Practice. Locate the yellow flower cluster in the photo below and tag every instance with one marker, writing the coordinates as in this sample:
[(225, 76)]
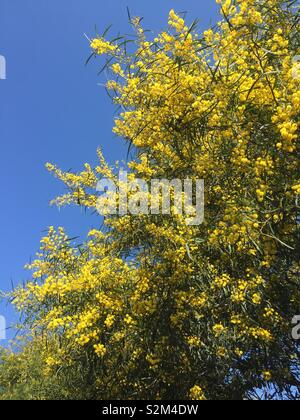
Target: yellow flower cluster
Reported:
[(197, 394), (222, 281), (218, 329), (102, 47), (261, 334), (194, 341), (296, 188), (176, 22), (267, 376), (100, 350)]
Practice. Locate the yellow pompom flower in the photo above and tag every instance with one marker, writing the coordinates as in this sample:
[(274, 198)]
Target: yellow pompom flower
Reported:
[(197, 394), (100, 350), (102, 46), (267, 376), (218, 329)]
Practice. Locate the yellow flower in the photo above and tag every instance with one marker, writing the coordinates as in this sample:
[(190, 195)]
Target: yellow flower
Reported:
[(50, 361), (296, 188), (109, 322), (222, 352), (102, 47), (218, 329), (236, 320), (153, 360), (176, 22), (100, 350), (256, 299), (222, 281), (83, 340), (116, 68), (197, 394), (239, 352), (267, 376), (261, 334), (193, 341), (129, 320)]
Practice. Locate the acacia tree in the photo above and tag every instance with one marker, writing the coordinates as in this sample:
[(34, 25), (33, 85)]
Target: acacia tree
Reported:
[(150, 307)]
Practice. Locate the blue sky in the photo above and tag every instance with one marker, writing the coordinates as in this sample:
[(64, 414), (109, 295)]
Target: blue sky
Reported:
[(52, 109)]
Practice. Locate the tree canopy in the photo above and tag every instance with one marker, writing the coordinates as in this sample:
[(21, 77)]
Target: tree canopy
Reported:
[(150, 307)]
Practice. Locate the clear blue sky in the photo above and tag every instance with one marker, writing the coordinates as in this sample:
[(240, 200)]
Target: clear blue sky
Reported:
[(51, 109)]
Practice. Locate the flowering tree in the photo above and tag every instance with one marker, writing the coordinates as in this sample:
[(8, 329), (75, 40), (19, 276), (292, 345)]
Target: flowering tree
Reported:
[(150, 307)]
